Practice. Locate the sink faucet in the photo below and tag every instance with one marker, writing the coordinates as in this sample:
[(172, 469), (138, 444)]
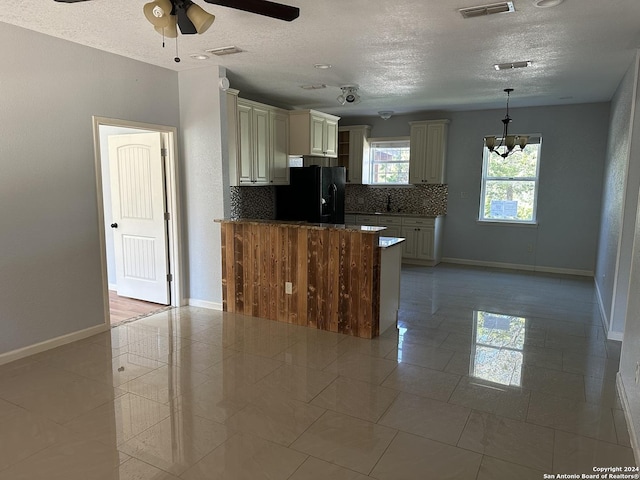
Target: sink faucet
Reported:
[(388, 203)]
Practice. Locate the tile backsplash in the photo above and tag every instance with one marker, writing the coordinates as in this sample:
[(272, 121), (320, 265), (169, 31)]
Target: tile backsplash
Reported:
[(415, 199), (259, 202), (253, 202)]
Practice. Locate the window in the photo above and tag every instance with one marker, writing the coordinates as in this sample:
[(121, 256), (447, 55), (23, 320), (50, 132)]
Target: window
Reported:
[(388, 162), (510, 185)]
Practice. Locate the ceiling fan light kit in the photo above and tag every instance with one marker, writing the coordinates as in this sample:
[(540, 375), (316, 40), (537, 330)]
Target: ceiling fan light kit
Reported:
[(158, 13), (201, 20)]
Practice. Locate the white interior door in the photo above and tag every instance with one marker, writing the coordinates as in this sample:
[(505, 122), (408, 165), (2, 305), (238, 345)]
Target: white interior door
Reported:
[(138, 207)]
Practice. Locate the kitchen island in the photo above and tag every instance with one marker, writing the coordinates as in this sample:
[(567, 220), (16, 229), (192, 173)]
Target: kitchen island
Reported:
[(322, 276)]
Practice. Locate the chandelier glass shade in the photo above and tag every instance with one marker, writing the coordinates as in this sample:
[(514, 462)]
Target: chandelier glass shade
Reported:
[(505, 145)]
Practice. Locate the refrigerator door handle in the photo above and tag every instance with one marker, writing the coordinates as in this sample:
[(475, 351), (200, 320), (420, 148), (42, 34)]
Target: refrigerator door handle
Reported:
[(334, 197)]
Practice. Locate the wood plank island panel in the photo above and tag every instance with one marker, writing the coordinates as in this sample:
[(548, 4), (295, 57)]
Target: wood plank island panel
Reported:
[(334, 273)]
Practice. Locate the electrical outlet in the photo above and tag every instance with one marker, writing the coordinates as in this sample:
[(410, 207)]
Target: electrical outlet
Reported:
[(288, 288), (530, 248)]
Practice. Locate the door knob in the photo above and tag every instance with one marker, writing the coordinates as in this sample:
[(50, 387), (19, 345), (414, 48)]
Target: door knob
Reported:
[(114, 225)]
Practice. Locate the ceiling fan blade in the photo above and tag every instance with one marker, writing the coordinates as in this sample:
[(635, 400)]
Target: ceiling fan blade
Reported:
[(70, 1), (261, 7)]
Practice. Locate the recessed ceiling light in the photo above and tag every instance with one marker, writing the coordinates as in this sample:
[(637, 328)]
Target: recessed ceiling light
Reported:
[(318, 86), (547, 3), (224, 50), (322, 66), (199, 56), (512, 65)]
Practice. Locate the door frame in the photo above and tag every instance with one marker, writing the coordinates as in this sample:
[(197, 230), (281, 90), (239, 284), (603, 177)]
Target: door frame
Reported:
[(172, 193)]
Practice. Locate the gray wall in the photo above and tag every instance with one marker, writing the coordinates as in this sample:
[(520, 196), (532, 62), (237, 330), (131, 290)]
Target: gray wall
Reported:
[(572, 162), (50, 273), (205, 181), (619, 202)]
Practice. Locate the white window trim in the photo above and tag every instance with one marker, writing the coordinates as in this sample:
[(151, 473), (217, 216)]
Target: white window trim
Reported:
[(367, 161), (534, 138)]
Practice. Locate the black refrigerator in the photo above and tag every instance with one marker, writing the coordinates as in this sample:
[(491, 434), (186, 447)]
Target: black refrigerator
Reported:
[(315, 194)]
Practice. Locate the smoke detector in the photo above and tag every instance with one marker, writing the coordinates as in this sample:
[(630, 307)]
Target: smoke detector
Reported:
[(547, 3)]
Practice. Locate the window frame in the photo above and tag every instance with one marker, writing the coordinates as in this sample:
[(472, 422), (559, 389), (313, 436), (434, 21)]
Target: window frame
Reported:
[(367, 177), (533, 139)]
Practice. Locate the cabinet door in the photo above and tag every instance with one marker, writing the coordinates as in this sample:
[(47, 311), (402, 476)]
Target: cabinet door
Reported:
[(260, 146), (409, 246), (435, 153), (317, 136), (356, 153), (330, 138), (424, 244), (279, 124), (245, 145), (418, 154)]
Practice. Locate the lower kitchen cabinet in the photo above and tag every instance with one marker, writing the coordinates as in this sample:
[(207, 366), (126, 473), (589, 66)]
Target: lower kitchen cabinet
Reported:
[(423, 244)]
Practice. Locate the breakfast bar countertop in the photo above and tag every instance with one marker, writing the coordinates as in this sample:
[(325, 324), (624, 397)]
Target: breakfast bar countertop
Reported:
[(306, 225), (386, 242)]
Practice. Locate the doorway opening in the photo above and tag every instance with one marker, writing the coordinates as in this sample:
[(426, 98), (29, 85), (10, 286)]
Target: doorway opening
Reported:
[(138, 203)]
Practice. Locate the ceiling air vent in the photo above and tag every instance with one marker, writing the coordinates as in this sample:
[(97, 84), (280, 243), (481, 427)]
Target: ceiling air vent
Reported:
[(512, 65), (224, 51), (484, 10)]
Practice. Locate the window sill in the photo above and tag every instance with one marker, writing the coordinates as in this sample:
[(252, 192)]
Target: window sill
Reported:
[(506, 223), (385, 185)]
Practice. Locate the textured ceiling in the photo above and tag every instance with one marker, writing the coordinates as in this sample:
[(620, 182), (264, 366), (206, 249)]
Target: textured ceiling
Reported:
[(406, 55)]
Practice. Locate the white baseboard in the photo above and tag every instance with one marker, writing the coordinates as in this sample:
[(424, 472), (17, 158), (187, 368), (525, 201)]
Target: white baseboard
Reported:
[(611, 335), (619, 336), (113, 287), (194, 302), (53, 343), (517, 266), (633, 435)]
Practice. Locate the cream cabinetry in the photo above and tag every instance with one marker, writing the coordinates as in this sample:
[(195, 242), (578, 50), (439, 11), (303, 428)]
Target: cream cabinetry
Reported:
[(423, 236), (279, 148), (428, 142), (421, 243), (258, 143), (353, 149), (313, 133)]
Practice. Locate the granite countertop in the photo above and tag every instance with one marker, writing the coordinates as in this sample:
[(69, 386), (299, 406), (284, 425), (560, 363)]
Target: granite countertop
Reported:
[(357, 228), (385, 242), (394, 214)]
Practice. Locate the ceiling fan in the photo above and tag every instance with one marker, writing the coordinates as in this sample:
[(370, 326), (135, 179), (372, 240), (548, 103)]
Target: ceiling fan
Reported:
[(165, 15)]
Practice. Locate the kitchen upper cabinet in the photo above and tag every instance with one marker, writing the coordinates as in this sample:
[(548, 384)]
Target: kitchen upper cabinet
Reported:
[(428, 142), (353, 149), (258, 143), (313, 133), (279, 123)]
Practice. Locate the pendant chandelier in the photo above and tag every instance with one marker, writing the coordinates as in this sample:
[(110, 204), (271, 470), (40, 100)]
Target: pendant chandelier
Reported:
[(507, 142)]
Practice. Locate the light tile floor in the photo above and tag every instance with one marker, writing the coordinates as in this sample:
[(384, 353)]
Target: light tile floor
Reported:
[(491, 375)]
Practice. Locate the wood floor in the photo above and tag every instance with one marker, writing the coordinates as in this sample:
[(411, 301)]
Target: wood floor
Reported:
[(123, 308)]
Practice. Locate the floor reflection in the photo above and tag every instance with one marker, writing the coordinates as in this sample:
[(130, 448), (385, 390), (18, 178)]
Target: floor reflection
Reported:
[(497, 348)]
